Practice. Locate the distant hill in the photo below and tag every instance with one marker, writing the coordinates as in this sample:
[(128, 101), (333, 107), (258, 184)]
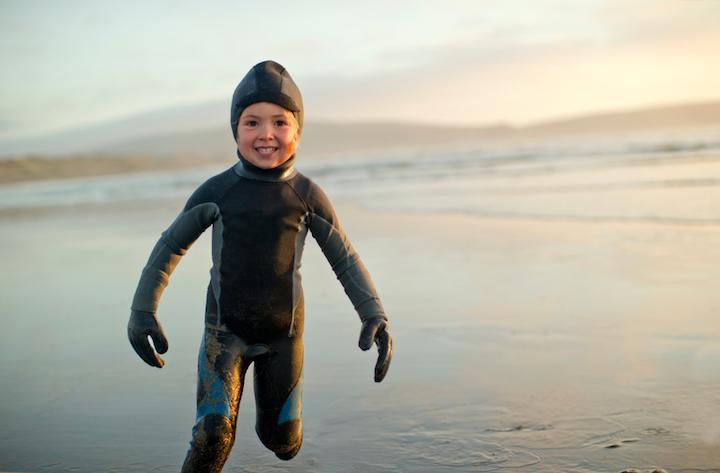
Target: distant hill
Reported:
[(672, 117), (203, 130), (322, 139), (101, 136)]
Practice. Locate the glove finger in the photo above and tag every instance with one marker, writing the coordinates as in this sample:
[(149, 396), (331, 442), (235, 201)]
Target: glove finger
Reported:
[(142, 347), (368, 333), (159, 340), (384, 343)]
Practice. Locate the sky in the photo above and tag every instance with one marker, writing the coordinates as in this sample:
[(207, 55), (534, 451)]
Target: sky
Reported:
[(70, 63)]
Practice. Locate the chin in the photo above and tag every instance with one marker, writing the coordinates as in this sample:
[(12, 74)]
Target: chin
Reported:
[(263, 165)]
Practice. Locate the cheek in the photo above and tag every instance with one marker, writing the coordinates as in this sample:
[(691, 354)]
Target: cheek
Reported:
[(295, 144), (296, 135), (244, 141), (291, 139)]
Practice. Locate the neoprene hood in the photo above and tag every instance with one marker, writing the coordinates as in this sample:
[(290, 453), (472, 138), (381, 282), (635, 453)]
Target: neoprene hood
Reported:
[(267, 81)]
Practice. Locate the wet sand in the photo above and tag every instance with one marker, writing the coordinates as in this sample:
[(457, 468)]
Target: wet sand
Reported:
[(522, 344)]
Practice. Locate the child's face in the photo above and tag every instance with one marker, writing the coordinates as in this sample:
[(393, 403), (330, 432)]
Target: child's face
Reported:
[(267, 134)]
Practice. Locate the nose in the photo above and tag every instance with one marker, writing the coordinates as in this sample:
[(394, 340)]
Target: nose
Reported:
[(266, 131)]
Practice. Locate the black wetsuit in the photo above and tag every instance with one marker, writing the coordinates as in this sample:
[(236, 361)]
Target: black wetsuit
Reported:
[(254, 309)]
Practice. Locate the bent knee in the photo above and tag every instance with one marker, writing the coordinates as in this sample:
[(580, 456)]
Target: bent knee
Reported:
[(284, 440), (213, 431), (290, 453)]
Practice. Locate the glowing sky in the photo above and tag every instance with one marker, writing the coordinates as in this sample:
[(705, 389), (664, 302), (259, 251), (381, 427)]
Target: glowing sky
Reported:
[(67, 63)]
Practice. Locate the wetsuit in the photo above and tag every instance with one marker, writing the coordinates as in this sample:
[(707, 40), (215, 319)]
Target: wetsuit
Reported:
[(254, 311)]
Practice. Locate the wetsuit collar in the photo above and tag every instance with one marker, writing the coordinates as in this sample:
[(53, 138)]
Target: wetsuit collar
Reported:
[(246, 169)]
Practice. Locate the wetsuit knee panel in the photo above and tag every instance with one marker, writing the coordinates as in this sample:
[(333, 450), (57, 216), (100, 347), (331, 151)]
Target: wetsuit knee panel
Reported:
[(213, 437), (213, 432), (284, 439), (291, 452)]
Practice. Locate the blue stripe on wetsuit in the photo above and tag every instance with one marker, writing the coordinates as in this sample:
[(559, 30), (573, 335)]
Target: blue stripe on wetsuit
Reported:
[(216, 400), (292, 408)]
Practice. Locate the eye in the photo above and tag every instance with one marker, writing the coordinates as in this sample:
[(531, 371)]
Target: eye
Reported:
[(281, 123), (251, 123)]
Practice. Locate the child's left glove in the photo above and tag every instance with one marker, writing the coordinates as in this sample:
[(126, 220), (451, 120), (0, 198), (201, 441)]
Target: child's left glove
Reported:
[(377, 330), (140, 326)]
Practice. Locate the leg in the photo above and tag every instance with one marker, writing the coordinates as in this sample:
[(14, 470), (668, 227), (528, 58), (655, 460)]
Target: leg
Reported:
[(221, 370), (278, 397)]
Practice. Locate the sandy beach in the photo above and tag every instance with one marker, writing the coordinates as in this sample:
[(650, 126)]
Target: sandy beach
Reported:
[(543, 322)]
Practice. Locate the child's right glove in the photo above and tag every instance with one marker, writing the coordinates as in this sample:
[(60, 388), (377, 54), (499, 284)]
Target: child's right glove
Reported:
[(377, 330), (141, 325)]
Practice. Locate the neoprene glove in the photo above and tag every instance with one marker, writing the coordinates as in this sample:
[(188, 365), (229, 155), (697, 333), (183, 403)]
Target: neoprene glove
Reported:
[(377, 330), (141, 326)]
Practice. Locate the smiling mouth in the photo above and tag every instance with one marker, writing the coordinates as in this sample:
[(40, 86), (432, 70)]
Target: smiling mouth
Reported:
[(265, 150)]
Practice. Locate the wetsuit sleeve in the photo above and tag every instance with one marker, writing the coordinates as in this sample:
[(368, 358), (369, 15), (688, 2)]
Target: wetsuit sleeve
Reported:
[(343, 258), (172, 245)]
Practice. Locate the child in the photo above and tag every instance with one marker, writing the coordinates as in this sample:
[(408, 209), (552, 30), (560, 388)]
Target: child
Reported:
[(260, 211)]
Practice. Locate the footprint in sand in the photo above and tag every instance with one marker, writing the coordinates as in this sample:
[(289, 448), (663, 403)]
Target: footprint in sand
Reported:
[(621, 443)]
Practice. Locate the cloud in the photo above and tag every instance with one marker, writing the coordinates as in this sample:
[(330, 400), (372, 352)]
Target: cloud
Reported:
[(462, 62), (652, 21), (502, 72)]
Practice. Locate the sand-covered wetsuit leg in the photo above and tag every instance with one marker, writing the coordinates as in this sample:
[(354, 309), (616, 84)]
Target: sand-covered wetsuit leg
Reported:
[(278, 397), (222, 363), (221, 371)]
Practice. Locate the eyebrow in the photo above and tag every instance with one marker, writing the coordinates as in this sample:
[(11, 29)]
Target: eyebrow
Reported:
[(272, 116)]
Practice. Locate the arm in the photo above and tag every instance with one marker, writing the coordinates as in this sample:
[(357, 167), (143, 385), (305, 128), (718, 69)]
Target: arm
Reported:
[(348, 267), (172, 245), (356, 282)]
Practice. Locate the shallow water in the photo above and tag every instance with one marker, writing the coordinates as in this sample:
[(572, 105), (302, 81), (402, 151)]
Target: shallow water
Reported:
[(543, 321)]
